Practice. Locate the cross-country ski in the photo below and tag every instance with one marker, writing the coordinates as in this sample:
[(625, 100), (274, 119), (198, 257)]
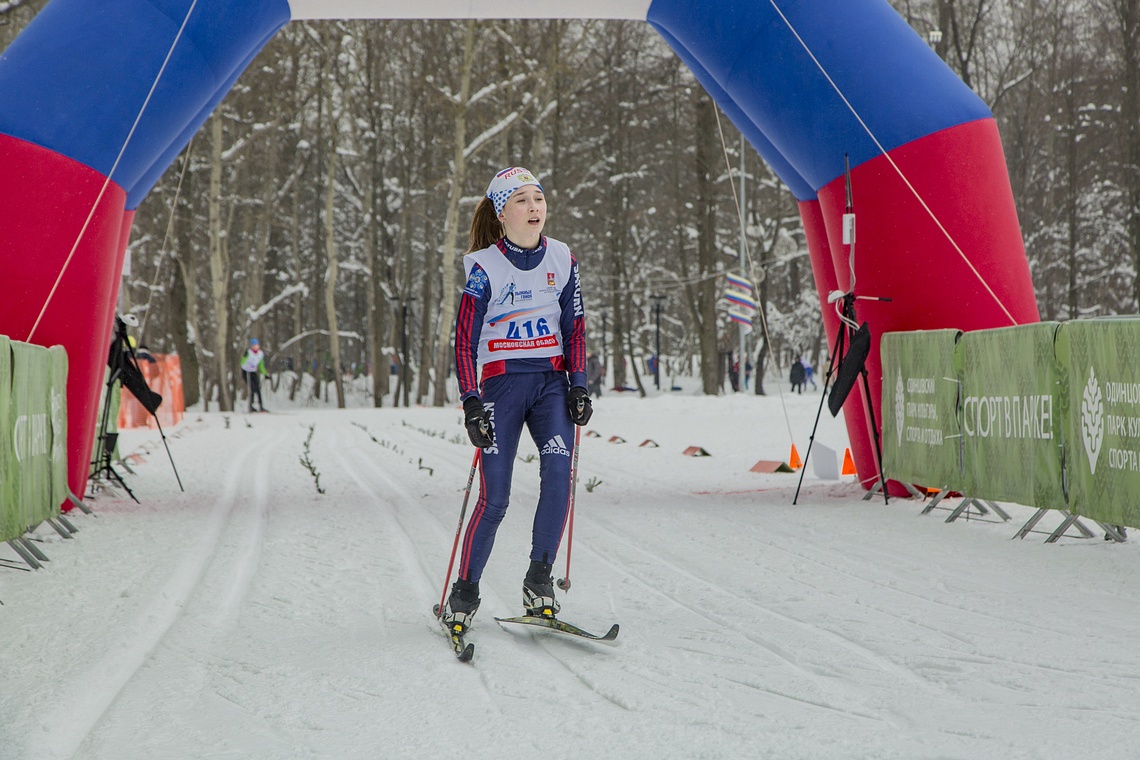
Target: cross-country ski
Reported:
[(558, 626), (457, 638)]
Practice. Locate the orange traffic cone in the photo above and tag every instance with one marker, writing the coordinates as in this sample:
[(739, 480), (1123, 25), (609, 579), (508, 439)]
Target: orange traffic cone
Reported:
[(848, 463), (794, 459)]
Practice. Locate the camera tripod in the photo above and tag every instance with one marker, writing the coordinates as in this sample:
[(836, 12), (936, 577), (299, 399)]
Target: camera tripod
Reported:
[(848, 363)]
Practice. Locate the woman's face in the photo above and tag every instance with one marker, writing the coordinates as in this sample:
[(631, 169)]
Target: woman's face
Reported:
[(524, 215)]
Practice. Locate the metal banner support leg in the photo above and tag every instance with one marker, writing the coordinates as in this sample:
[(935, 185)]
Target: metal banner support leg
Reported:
[(35, 550), (58, 528), (1031, 523), (998, 510), (1115, 533), (1070, 521), (964, 508), (945, 490), (19, 548), (78, 502)]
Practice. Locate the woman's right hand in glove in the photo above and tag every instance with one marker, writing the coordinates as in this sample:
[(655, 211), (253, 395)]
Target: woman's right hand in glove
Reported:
[(477, 420)]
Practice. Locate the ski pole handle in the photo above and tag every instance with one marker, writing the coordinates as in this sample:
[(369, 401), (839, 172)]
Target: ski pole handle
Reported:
[(458, 530)]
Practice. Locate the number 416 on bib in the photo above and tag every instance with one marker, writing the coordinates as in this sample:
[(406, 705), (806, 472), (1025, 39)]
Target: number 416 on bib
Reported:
[(527, 329)]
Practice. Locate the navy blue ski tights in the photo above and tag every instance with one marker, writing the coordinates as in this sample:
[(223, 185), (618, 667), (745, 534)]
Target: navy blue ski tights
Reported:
[(537, 399)]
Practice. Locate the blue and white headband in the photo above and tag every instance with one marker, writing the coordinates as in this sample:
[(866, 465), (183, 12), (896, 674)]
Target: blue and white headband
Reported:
[(505, 183)]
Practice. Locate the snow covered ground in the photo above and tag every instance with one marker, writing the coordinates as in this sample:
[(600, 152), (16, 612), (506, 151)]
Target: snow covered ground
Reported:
[(252, 617)]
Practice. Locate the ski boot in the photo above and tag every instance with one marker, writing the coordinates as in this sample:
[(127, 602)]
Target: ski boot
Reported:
[(461, 605), (538, 591)]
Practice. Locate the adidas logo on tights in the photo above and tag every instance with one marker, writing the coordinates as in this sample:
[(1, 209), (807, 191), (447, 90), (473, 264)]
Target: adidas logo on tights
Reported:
[(556, 446)]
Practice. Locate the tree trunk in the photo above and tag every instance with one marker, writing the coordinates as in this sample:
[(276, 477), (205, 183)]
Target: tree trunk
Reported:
[(183, 322), (299, 298), (376, 236), (450, 257), (332, 264), (253, 292), (427, 313), (375, 325), (407, 264), (331, 274), (705, 203), (219, 269), (618, 326), (1129, 11), (759, 369), (185, 335), (1072, 222), (404, 379), (632, 354)]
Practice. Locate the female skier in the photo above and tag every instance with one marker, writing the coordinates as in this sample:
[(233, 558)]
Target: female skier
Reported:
[(521, 324)]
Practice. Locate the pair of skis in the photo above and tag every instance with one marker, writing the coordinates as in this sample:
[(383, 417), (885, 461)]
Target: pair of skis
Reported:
[(456, 633), (465, 650)]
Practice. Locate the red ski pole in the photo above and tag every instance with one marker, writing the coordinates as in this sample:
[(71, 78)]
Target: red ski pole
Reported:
[(564, 583), (458, 530)]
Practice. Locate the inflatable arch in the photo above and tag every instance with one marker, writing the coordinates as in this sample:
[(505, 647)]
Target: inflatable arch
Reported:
[(807, 84)]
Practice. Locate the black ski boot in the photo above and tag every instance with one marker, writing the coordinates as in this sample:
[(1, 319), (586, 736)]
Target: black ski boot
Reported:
[(461, 604), (538, 591)]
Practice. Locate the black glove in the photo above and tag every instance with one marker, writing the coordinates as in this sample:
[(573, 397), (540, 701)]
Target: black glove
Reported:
[(578, 402), (477, 420)]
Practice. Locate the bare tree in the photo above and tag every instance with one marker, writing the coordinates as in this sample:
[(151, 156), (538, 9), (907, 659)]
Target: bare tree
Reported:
[(450, 260), (703, 303), (1122, 21), (219, 267)]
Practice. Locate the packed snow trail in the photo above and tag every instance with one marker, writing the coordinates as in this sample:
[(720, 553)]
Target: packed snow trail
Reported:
[(254, 617)]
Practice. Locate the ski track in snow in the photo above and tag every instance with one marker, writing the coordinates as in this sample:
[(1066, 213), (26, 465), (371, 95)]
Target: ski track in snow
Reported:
[(107, 679), (404, 500), (252, 617)]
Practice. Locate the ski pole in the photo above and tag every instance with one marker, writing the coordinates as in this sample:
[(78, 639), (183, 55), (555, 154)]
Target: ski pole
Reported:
[(564, 583), (458, 530)]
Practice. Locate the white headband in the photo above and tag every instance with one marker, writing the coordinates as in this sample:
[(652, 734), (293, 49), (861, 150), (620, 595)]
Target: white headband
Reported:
[(505, 183)]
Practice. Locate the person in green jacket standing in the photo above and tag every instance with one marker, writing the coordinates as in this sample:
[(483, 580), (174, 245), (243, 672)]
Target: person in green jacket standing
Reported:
[(253, 367)]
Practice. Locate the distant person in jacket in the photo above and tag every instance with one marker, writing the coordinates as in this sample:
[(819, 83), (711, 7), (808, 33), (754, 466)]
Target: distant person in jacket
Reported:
[(797, 376), (253, 367), (595, 371), (809, 375)]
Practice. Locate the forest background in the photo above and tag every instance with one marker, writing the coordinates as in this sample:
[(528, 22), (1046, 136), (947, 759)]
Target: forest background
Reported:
[(324, 206)]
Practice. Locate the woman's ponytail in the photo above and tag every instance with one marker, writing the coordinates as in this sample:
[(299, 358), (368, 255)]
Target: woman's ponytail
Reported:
[(486, 229)]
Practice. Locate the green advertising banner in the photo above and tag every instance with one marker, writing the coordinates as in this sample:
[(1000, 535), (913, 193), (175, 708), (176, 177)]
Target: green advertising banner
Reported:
[(1102, 415), (1012, 438), (31, 430), (58, 356), (921, 432), (10, 518)]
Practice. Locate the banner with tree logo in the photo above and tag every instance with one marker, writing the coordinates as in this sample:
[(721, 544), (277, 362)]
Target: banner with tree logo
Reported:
[(1102, 415), (1011, 417), (921, 429), (31, 431)]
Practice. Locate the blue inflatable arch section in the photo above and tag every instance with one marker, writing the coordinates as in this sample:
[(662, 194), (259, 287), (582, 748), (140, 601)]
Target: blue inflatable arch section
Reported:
[(807, 83)]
